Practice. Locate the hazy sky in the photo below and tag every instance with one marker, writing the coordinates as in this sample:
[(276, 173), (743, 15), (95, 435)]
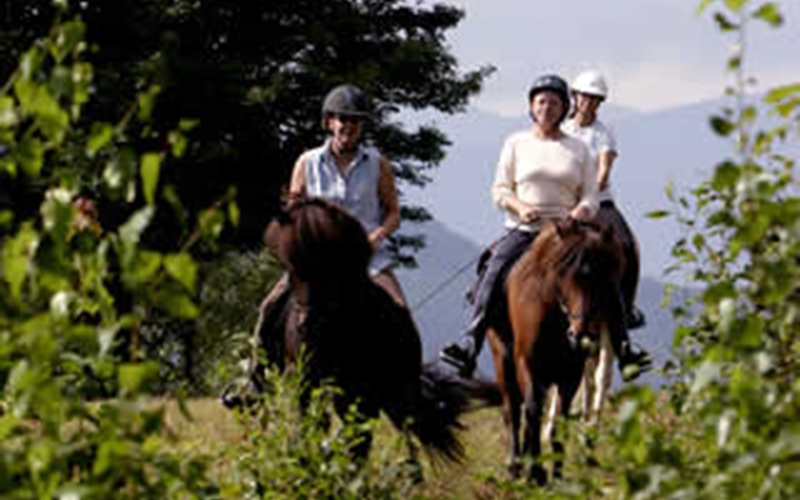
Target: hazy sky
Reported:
[(656, 53)]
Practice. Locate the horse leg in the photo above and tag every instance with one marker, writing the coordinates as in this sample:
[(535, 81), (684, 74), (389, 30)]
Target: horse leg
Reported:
[(603, 374), (551, 410), (533, 394), (505, 374), (565, 393)]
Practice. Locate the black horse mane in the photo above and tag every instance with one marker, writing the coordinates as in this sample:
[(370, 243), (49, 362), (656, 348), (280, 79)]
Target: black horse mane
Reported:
[(327, 244)]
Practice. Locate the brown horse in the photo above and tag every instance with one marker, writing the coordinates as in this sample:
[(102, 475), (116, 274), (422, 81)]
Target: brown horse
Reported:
[(358, 338), (559, 294)]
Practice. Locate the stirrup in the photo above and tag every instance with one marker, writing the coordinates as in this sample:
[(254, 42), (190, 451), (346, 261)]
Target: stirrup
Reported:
[(638, 362), (455, 356)]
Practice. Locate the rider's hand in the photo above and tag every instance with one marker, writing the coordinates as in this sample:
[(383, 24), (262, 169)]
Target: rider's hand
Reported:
[(581, 213), (376, 237), (527, 213)]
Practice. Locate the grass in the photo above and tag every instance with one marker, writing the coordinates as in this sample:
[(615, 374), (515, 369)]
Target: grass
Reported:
[(483, 474)]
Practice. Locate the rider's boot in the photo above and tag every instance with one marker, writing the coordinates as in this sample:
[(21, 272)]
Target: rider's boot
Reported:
[(463, 354), (632, 361)]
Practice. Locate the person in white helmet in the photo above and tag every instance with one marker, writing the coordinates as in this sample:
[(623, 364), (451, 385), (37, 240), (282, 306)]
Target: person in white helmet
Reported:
[(589, 90)]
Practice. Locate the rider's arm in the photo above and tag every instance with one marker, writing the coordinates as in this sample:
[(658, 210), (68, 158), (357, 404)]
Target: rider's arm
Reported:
[(606, 161), (297, 185), (390, 206), (504, 189), (608, 153), (588, 203)]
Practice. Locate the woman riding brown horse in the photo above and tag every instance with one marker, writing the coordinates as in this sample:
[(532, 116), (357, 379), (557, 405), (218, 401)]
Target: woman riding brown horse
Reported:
[(558, 295)]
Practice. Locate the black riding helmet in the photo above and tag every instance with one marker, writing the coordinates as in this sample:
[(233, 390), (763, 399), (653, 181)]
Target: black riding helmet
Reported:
[(346, 100), (553, 83)]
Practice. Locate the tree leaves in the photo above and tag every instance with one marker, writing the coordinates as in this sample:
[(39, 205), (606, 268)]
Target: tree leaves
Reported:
[(770, 14), (150, 170)]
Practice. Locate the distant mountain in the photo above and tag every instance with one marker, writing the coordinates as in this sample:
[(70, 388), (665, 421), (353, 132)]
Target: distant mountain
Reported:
[(436, 289)]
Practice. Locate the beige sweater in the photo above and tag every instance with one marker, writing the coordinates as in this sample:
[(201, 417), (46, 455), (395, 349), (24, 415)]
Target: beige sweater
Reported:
[(553, 176)]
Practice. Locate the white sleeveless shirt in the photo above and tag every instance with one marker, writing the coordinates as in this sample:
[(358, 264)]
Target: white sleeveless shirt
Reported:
[(355, 190)]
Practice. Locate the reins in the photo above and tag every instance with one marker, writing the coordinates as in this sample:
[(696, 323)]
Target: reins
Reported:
[(458, 272)]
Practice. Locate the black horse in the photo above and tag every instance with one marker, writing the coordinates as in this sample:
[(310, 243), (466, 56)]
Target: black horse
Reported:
[(357, 337)]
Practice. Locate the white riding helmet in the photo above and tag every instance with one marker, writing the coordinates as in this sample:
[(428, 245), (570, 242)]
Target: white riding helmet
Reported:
[(592, 83)]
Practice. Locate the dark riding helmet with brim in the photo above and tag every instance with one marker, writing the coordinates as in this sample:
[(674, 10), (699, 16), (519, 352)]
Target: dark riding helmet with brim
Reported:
[(346, 100), (553, 83)]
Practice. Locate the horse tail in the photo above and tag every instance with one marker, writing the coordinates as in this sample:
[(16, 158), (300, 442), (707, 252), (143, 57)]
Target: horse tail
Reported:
[(444, 397)]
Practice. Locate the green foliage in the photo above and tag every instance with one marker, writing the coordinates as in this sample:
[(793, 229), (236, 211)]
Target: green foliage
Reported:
[(728, 429), (290, 454), (65, 281), (232, 288), (253, 75)]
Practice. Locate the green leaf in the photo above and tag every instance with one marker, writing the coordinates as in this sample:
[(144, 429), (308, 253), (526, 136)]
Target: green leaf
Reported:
[(30, 63), (785, 109), (233, 213), (147, 101), (131, 231), (769, 13), (119, 175), (704, 5), (69, 40), (716, 292), (707, 373), (6, 218), (724, 24), (31, 156), (18, 258), (183, 268), (177, 304), (150, 170), (8, 112), (780, 93), (658, 214), (133, 376), (147, 265), (722, 126), (102, 133), (735, 5), (178, 142), (726, 176), (748, 335), (212, 222)]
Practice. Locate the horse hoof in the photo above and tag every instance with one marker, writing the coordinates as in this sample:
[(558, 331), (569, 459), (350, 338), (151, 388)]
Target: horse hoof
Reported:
[(538, 474), (515, 469), (415, 471)]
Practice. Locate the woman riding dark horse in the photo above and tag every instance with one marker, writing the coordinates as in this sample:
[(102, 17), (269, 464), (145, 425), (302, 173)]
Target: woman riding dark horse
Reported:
[(559, 294), (349, 319)]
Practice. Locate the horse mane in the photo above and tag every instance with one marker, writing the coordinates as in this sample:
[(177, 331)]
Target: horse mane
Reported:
[(586, 250), (322, 242)]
